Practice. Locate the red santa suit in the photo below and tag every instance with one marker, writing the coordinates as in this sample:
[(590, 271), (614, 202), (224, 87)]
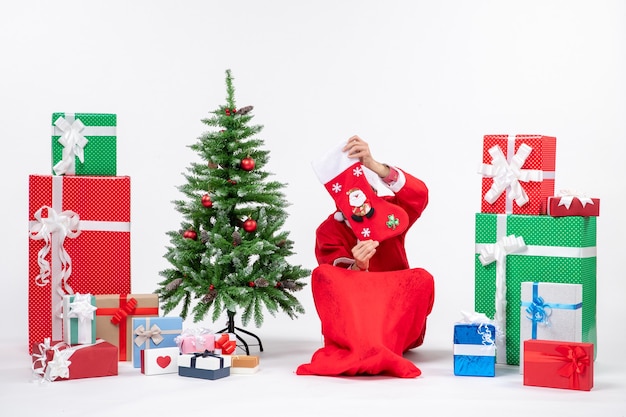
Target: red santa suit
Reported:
[(370, 318)]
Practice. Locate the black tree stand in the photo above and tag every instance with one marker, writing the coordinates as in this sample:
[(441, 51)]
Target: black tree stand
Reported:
[(231, 328)]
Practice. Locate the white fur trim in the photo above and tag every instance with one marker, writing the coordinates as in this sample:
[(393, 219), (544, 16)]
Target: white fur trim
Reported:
[(332, 163), (339, 216)]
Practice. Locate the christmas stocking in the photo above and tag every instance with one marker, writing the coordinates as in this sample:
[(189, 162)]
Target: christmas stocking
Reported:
[(370, 216)]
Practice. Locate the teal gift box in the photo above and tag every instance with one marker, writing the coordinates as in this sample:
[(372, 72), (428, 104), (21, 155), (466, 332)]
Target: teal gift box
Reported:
[(79, 319), (154, 332), (511, 249), (84, 144)]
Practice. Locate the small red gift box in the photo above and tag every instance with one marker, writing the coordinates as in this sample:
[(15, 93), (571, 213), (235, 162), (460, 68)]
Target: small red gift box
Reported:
[(518, 173), (573, 205), (558, 364), (58, 361), (79, 243)]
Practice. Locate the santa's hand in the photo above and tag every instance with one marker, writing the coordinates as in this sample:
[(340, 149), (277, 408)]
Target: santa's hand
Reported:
[(358, 148), (362, 252)]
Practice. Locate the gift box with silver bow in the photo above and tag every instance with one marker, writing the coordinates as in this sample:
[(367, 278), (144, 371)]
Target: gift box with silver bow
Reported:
[(511, 249), (79, 229), (518, 173), (84, 144), (550, 311), (153, 332)]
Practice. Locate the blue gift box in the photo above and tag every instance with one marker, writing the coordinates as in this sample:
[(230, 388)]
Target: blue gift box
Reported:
[(154, 332), (205, 365), (474, 349)]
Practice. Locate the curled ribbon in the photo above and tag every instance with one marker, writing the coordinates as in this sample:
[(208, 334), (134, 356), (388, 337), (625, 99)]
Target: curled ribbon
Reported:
[(143, 335), (497, 253), (73, 143), (567, 196), (539, 311), (507, 176), (64, 224)]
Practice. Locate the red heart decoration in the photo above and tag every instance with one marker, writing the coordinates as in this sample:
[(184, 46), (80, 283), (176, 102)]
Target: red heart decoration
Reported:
[(163, 361)]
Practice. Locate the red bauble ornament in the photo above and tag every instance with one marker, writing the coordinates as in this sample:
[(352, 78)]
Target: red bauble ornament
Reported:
[(206, 201), (247, 164), (249, 225), (233, 182), (190, 234), (211, 287), (251, 284)]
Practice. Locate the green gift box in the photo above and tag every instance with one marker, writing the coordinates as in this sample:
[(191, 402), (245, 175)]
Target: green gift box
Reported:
[(511, 249), (84, 144)]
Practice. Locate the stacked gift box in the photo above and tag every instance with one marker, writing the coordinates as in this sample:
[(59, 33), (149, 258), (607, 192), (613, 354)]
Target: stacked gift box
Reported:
[(83, 318), (535, 258)]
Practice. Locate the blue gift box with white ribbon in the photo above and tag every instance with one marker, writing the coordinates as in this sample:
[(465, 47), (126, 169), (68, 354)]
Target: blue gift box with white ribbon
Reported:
[(474, 349), (550, 311)]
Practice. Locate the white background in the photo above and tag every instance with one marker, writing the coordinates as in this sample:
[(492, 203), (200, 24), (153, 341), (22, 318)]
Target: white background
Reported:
[(422, 81)]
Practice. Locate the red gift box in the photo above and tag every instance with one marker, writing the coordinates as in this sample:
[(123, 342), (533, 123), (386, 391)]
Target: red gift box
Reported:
[(79, 243), (570, 205), (558, 364), (58, 361), (518, 173)]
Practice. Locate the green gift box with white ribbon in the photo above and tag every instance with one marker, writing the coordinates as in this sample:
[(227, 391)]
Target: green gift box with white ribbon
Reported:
[(79, 319), (84, 144), (511, 249)]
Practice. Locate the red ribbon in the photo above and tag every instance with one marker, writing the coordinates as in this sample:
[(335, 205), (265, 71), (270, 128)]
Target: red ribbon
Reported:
[(575, 358), (228, 346), (120, 315)]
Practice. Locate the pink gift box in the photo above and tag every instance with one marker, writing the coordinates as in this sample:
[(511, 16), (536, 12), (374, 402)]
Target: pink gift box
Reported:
[(188, 343)]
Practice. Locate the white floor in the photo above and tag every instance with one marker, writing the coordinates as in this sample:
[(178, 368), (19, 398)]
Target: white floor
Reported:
[(276, 390)]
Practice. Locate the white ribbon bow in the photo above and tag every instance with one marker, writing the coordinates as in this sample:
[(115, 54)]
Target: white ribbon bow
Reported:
[(498, 252), (81, 308), (64, 224), (567, 196), (154, 334), (73, 143), (507, 176)]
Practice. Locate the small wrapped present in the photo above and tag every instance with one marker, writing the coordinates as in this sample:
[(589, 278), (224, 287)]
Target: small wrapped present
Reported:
[(57, 361), (244, 364), (84, 144), (195, 340), (79, 320), (570, 203), (550, 311), (115, 314), (475, 346), (159, 361), (154, 332), (205, 365), (518, 173), (226, 343), (79, 230), (558, 364)]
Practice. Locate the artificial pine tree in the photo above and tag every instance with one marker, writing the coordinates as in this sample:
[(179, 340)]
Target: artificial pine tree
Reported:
[(231, 254)]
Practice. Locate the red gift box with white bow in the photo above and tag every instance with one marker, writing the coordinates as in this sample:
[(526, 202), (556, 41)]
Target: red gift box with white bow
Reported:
[(573, 204), (79, 229), (518, 173)]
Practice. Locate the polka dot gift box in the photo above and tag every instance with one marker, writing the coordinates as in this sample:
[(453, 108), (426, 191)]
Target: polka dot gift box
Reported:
[(511, 249), (84, 144), (79, 242), (518, 173)]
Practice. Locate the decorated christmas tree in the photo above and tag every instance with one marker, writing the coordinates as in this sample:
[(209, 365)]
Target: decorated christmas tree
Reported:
[(230, 254)]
